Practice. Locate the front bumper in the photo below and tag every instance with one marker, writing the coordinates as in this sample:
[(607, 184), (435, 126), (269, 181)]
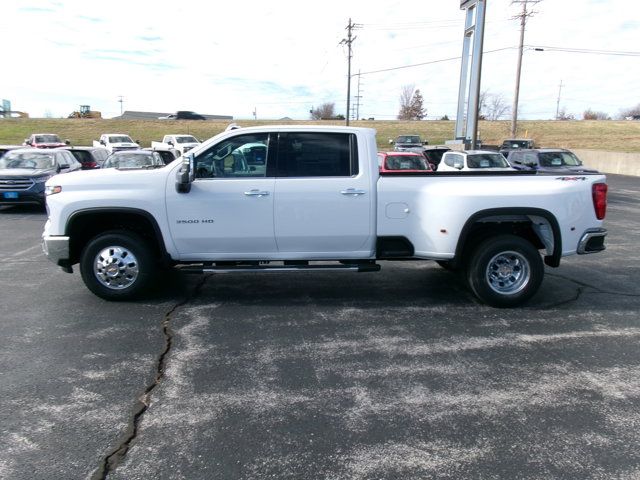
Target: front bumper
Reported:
[(56, 248), (592, 241)]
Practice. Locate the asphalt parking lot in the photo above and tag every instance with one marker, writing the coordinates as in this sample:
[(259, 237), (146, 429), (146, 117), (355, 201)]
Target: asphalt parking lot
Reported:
[(393, 375)]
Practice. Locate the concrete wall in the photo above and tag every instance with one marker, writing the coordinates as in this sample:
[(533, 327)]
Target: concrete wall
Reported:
[(611, 162)]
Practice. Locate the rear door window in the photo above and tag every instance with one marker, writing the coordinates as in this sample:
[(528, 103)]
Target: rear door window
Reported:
[(317, 154)]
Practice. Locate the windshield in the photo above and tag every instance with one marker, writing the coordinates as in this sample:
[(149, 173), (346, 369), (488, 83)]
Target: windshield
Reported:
[(120, 139), (31, 160), (487, 160), (82, 156), (405, 162), (408, 139), (559, 159), (133, 160), (517, 144), (187, 139), (47, 139)]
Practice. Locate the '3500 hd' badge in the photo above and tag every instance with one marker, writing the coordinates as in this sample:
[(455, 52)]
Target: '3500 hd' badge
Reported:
[(193, 221)]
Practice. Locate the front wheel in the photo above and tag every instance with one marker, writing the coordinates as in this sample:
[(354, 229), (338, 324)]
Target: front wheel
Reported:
[(117, 265), (505, 271)]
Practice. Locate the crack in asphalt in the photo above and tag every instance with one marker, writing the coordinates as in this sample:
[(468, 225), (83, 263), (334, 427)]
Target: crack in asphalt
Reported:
[(582, 287), (117, 455)]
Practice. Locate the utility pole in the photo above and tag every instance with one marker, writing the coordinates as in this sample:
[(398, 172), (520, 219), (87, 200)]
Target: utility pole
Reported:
[(523, 21), (558, 102), (348, 41), (255, 113), (121, 100)]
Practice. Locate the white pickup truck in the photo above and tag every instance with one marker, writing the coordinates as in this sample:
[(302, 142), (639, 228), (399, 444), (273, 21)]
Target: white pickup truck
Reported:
[(181, 143), (294, 198), (116, 142)]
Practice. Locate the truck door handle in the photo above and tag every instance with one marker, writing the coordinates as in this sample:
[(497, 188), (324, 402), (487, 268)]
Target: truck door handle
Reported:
[(256, 193), (353, 191)]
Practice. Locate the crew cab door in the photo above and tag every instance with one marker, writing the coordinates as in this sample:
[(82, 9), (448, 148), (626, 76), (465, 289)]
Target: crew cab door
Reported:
[(324, 198), (228, 213)]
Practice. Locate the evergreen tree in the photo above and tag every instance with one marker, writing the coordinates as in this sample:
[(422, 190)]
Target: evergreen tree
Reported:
[(417, 106)]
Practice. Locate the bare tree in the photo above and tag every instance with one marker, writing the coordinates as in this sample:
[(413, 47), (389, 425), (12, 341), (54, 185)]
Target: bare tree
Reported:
[(324, 111), (563, 115), (630, 112), (497, 107), (406, 97), (589, 114), (493, 106)]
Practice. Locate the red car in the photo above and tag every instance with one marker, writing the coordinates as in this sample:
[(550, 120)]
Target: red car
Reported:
[(44, 140), (402, 162)]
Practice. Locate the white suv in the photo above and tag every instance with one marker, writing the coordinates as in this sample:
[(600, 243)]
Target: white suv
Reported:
[(473, 161)]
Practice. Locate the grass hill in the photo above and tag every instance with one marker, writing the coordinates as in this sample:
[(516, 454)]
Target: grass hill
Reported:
[(620, 136)]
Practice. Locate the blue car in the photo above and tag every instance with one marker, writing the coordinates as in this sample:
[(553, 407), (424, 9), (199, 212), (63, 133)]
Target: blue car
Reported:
[(24, 171)]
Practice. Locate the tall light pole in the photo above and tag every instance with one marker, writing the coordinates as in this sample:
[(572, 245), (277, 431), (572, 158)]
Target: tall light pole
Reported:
[(121, 100), (470, 72), (523, 21)]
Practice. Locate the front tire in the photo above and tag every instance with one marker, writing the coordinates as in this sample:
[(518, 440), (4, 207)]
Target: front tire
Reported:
[(117, 265), (505, 271)]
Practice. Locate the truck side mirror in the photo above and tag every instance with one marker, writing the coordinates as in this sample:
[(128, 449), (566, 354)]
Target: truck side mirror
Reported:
[(170, 143), (67, 142), (457, 163), (391, 141), (185, 174), (102, 142)]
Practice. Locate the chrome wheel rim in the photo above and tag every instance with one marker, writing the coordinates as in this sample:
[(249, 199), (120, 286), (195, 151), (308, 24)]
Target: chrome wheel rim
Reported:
[(508, 273), (116, 267)]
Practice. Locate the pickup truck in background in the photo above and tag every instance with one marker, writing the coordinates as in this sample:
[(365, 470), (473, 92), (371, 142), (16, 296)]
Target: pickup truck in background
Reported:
[(317, 202), (181, 143), (115, 142), (44, 140), (512, 144), (408, 143)]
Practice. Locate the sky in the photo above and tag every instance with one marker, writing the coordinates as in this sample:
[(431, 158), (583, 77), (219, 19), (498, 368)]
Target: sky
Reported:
[(281, 58)]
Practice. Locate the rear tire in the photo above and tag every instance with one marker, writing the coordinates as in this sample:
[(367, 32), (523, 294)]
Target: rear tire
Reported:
[(505, 271), (117, 265)]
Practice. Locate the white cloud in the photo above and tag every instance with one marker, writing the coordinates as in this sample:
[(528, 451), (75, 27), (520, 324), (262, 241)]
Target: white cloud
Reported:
[(283, 57)]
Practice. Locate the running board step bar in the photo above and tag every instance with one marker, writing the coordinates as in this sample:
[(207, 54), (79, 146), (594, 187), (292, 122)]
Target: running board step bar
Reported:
[(353, 267)]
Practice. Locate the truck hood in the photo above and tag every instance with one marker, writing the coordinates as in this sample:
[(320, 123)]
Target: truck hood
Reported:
[(109, 179)]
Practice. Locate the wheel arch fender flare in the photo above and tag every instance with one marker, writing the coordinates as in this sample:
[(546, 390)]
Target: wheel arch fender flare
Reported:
[(539, 218), (116, 216)]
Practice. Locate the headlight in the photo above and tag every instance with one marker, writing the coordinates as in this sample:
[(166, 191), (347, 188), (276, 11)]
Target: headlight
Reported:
[(52, 189), (42, 179)]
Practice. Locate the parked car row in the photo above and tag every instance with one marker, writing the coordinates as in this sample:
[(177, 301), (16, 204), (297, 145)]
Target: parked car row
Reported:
[(24, 169), (543, 160)]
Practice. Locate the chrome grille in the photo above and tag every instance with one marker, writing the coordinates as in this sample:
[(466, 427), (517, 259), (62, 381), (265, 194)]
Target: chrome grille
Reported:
[(14, 184)]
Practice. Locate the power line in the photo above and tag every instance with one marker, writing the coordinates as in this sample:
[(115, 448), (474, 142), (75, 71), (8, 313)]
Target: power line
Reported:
[(430, 62), (583, 50)]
